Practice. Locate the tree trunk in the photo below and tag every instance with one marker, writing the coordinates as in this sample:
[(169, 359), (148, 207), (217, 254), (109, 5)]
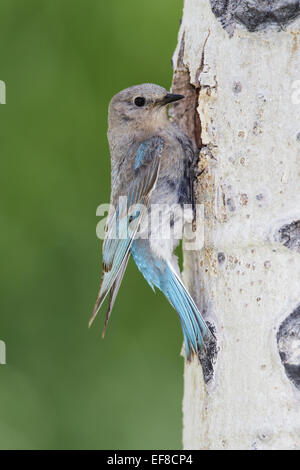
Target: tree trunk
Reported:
[(238, 64)]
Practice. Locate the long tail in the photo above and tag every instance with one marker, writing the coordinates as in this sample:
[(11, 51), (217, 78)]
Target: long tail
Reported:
[(160, 273), (194, 327)]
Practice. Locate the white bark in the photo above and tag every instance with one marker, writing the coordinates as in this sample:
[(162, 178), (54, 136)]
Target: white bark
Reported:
[(246, 279)]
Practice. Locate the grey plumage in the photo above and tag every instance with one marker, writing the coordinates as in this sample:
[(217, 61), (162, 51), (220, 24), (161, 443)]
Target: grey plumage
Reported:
[(150, 164)]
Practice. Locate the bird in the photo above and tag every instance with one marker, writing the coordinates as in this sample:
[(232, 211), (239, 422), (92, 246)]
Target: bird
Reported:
[(151, 161)]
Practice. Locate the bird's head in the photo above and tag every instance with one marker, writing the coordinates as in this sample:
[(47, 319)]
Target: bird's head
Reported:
[(140, 105)]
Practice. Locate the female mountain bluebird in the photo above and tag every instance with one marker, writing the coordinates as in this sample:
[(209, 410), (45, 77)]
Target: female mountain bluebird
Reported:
[(150, 165)]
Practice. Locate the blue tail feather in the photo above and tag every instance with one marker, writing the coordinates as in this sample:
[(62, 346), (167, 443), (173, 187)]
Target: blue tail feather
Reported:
[(160, 273), (194, 327)]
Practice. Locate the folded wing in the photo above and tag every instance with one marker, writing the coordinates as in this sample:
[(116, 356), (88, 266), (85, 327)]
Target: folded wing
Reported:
[(122, 225)]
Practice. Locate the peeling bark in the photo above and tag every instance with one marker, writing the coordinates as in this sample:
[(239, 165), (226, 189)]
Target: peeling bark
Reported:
[(240, 114), (186, 113)]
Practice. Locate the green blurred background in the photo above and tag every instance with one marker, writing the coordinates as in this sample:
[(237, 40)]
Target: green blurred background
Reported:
[(64, 387)]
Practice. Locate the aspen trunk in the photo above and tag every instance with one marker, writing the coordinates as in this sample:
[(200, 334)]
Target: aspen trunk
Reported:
[(238, 64)]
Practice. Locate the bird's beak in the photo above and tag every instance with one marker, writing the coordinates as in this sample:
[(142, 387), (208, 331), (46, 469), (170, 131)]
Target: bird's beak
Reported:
[(170, 97)]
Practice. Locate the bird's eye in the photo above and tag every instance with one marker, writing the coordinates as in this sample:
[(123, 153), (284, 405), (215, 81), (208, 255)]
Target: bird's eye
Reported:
[(139, 101)]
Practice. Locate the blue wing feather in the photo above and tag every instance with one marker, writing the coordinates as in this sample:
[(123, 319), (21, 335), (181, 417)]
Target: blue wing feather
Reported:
[(117, 245)]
